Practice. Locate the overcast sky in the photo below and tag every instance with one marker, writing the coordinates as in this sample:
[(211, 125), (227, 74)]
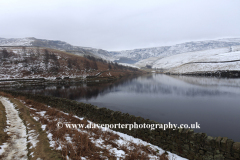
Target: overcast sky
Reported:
[(120, 24)]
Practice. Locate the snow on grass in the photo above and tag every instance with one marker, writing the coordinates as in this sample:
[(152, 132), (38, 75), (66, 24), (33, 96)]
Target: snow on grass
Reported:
[(227, 56), (179, 59), (205, 67), (148, 61), (44, 127), (127, 139), (123, 139), (16, 147), (118, 145), (3, 147), (186, 62), (32, 137), (36, 118), (42, 113)]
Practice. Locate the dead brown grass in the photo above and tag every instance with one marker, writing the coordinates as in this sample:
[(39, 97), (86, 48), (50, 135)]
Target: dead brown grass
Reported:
[(3, 120), (5, 94), (3, 124)]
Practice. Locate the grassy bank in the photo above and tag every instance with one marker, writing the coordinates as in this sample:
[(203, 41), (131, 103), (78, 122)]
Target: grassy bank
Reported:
[(52, 142)]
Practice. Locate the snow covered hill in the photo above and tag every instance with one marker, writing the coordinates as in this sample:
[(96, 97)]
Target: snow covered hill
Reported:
[(38, 62), (126, 56), (53, 44), (175, 59), (165, 51), (201, 61)]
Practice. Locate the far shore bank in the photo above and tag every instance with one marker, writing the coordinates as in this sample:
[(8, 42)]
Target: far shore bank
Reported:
[(44, 81), (97, 79)]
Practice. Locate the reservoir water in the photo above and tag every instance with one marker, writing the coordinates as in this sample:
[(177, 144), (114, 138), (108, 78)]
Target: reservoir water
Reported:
[(212, 102)]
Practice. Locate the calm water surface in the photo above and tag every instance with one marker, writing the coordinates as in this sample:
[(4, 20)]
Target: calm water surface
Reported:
[(212, 102)]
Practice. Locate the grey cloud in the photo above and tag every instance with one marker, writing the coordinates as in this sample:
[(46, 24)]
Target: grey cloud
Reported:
[(118, 25)]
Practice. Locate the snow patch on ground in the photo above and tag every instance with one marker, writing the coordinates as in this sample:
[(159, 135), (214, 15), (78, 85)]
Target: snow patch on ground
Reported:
[(42, 113), (127, 139), (32, 137), (44, 127)]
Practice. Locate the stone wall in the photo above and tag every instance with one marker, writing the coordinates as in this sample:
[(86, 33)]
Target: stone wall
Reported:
[(182, 142)]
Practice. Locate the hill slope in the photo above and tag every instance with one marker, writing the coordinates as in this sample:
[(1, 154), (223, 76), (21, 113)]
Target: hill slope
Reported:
[(175, 58), (125, 56), (201, 61), (35, 62), (54, 44)]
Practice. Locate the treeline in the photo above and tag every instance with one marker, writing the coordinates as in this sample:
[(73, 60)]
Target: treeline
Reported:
[(32, 60), (111, 65), (50, 56), (5, 54)]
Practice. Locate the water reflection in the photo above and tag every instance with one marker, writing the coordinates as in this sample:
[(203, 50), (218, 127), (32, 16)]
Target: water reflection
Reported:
[(212, 102), (182, 86)]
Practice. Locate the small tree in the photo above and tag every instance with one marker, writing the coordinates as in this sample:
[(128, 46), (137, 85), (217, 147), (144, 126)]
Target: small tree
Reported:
[(24, 51), (1, 54), (148, 66), (69, 63), (5, 53), (46, 58), (86, 64), (109, 66), (38, 51), (94, 65)]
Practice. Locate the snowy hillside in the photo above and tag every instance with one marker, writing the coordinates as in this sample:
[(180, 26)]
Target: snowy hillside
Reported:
[(201, 61), (38, 62), (162, 61), (16, 41), (178, 59), (164, 51), (53, 44), (100, 53), (141, 56)]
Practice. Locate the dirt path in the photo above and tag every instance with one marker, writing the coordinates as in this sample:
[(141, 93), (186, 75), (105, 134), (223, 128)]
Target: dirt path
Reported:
[(16, 146), (38, 143)]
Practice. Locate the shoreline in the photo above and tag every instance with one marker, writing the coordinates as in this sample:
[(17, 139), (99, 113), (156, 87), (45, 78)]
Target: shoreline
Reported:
[(218, 74), (21, 82)]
